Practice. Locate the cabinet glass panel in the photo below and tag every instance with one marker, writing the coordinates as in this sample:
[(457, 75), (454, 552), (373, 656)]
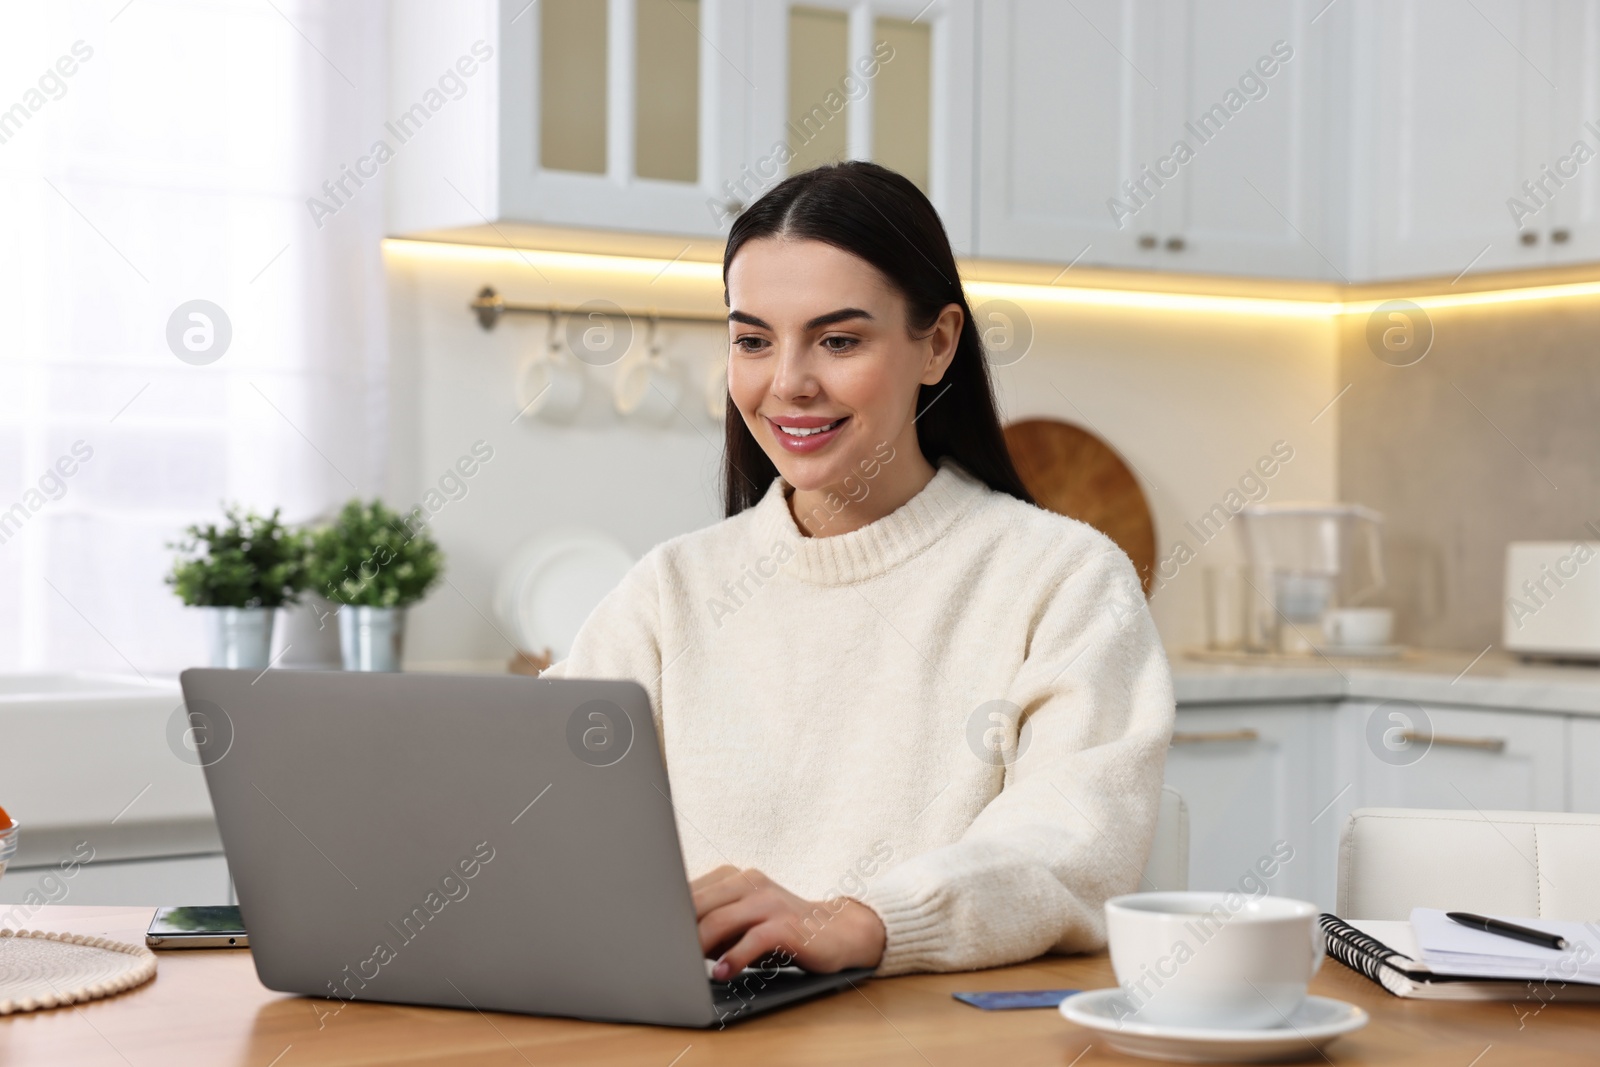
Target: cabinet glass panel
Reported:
[(667, 95), (900, 94), (819, 57), (572, 85)]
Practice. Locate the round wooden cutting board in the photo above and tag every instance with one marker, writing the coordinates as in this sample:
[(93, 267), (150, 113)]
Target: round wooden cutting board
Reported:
[(1072, 472)]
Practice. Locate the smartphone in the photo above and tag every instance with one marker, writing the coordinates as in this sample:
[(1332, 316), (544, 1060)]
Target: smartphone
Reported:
[(216, 926)]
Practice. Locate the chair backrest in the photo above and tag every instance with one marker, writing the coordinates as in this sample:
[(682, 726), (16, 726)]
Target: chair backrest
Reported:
[(1168, 865), (1516, 863)]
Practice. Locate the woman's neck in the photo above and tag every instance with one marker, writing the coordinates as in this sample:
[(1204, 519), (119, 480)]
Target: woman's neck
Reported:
[(818, 512)]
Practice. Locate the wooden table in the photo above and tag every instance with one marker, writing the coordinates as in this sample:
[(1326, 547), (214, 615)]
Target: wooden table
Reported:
[(206, 1007)]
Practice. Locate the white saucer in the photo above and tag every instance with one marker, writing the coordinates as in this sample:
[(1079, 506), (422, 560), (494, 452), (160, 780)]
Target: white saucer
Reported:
[(1310, 1028)]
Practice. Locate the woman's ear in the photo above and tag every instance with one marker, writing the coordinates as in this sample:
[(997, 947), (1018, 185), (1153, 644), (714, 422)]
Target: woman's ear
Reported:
[(943, 340)]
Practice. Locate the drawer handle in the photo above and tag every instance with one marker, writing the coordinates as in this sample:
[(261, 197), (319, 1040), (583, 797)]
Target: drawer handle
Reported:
[(1206, 736), (1487, 744)]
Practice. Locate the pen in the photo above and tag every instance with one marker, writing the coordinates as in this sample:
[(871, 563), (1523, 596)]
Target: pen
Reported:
[(1505, 929)]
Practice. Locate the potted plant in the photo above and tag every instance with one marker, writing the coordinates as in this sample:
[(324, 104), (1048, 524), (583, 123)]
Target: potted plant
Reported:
[(373, 564), (240, 572)]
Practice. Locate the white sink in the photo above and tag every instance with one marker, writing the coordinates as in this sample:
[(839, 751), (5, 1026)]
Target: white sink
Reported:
[(82, 750)]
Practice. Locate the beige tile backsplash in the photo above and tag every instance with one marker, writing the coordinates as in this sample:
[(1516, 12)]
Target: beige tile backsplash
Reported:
[(1494, 436)]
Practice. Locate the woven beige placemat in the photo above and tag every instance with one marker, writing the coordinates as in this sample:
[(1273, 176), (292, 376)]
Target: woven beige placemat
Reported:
[(45, 970)]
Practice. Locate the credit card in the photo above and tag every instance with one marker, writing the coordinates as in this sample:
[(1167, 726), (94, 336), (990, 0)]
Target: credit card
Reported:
[(1007, 1000)]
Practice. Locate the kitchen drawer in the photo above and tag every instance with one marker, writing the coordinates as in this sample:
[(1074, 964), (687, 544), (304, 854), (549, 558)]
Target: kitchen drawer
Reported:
[(1256, 778), (1431, 756)]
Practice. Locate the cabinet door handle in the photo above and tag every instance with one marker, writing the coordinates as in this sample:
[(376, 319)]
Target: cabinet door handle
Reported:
[(1560, 237), (1486, 744), (1205, 736), (1529, 237), (1147, 240), (1175, 244)]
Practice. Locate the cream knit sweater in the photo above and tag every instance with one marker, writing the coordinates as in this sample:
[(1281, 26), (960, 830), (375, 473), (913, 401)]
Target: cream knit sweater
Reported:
[(842, 712)]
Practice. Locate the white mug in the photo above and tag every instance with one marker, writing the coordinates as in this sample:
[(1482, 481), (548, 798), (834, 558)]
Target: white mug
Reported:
[(1213, 960), (1358, 627)]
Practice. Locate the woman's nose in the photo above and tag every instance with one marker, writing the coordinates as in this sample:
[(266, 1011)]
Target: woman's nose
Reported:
[(794, 375)]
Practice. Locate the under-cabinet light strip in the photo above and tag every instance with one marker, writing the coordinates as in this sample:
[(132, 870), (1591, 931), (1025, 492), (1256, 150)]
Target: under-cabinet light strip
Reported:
[(651, 268)]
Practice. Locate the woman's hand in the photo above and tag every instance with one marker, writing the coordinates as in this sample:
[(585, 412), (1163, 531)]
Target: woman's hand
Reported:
[(744, 915)]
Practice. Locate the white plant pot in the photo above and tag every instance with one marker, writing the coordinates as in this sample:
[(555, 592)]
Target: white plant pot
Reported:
[(241, 637), (371, 639)]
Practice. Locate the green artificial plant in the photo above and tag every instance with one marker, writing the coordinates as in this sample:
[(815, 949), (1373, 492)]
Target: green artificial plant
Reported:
[(251, 561), (371, 557)]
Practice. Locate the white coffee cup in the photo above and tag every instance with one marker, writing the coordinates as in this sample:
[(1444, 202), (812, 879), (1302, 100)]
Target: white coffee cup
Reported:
[(1213, 960), (1358, 627)]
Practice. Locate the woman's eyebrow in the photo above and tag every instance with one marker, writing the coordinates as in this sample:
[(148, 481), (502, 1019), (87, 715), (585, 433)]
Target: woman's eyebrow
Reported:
[(832, 317), (842, 315)]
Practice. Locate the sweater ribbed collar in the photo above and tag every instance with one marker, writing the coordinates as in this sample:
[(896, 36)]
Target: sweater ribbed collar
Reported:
[(841, 559)]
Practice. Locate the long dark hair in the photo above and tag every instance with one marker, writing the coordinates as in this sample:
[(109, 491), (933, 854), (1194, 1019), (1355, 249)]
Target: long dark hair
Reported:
[(880, 216)]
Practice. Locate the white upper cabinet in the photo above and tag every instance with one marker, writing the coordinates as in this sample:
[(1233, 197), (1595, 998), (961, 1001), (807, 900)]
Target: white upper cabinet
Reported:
[(1453, 103), (1476, 136), (1568, 222), (621, 113), (883, 80), (1067, 109), (624, 114), (670, 116), (1353, 141), (1243, 88), (1185, 135)]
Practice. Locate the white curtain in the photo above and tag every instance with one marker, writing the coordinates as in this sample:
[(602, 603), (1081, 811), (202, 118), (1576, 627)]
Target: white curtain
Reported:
[(153, 153)]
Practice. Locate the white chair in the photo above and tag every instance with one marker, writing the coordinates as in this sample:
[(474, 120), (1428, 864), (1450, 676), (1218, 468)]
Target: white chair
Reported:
[(1168, 865), (1527, 863)]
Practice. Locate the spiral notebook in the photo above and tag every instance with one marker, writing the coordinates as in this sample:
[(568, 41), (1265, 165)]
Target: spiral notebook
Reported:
[(1386, 951)]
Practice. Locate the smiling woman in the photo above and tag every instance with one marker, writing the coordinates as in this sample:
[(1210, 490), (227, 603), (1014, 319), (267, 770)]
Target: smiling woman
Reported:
[(912, 720)]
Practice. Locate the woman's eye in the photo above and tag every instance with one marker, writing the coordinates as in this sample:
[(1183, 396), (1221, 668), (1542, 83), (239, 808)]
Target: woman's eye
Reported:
[(749, 343), (839, 344)]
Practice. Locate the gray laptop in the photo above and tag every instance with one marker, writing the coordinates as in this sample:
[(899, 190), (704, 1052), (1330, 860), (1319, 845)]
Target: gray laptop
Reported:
[(495, 842)]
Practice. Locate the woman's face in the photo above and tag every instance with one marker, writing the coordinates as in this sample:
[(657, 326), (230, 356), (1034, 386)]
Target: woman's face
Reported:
[(820, 343)]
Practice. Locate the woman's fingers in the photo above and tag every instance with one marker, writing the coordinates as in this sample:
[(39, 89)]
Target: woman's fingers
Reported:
[(713, 876), (723, 926), (710, 895), (757, 941)]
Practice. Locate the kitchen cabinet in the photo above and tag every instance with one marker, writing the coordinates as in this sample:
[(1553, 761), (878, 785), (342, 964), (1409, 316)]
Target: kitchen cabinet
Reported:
[(1261, 772), (1449, 100), (669, 116), (883, 80), (1255, 779), (1066, 116), (1187, 136), (1568, 225), (1416, 756), (1466, 117), (1583, 765), (626, 114)]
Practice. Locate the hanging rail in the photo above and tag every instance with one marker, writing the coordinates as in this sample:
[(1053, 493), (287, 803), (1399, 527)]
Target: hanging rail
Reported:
[(490, 305)]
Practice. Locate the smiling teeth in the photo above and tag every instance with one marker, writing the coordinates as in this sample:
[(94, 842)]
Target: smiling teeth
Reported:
[(795, 431)]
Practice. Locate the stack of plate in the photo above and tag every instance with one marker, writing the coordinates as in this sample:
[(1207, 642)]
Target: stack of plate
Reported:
[(550, 585)]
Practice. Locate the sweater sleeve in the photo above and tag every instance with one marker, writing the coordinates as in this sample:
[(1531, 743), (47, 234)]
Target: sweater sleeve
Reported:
[(621, 637), (1076, 813)]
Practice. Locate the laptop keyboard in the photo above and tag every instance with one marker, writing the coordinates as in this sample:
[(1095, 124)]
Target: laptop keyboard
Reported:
[(760, 989)]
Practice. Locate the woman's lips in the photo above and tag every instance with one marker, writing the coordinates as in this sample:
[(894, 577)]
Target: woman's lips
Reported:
[(801, 445)]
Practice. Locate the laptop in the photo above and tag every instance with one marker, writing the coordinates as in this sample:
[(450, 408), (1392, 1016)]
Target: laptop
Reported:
[(490, 842)]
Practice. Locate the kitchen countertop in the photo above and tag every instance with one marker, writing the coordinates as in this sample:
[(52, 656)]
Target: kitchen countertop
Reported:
[(1462, 679)]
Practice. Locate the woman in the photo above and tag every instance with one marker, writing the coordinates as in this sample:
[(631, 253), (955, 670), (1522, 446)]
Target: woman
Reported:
[(912, 721)]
